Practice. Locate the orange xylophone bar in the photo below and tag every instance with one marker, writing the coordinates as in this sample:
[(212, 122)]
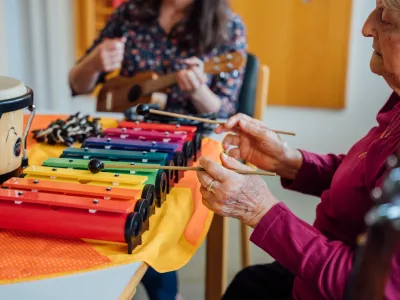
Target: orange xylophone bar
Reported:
[(75, 217), (76, 189)]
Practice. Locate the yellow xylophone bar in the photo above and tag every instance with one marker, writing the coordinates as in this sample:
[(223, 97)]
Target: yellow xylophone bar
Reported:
[(86, 177)]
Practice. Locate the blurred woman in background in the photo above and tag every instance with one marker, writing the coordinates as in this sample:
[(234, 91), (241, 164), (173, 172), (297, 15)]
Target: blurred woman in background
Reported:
[(165, 36)]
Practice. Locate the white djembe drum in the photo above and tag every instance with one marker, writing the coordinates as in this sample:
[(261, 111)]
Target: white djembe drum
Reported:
[(14, 98)]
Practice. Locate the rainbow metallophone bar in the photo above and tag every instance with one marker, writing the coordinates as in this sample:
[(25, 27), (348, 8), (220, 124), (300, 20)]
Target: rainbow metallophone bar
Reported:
[(125, 156), (156, 177), (190, 131), (146, 135), (156, 138), (62, 197), (172, 150)]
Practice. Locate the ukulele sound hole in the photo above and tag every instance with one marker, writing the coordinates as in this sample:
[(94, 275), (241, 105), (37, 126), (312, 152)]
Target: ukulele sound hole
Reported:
[(135, 93)]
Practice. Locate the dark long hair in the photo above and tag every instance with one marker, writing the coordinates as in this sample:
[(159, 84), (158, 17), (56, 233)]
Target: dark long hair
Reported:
[(206, 22)]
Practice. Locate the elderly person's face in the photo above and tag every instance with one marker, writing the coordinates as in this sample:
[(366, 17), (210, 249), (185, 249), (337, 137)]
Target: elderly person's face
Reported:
[(383, 25)]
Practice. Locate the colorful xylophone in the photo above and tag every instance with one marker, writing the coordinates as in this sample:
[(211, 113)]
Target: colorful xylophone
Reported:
[(114, 205)]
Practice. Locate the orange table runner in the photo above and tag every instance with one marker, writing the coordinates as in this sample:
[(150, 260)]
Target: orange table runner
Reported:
[(176, 231)]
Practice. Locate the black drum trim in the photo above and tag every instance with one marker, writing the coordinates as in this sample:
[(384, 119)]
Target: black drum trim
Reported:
[(17, 103), (9, 175)]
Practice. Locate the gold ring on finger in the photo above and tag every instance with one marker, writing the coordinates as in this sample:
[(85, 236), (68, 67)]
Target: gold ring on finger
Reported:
[(210, 185)]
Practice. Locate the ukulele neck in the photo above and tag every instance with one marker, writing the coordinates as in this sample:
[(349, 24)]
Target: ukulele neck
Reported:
[(225, 63)]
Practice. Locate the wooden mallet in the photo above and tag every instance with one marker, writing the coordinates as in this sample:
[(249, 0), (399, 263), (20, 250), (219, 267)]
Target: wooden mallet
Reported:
[(143, 109), (96, 166)]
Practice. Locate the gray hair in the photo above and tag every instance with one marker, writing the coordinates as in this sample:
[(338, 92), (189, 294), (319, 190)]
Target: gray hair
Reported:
[(392, 4)]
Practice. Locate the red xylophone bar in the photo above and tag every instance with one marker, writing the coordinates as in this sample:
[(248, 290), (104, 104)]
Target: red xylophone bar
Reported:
[(92, 191), (69, 216)]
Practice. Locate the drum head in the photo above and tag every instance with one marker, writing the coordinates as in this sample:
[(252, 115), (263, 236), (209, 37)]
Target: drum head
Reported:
[(11, 88), (14, 95)]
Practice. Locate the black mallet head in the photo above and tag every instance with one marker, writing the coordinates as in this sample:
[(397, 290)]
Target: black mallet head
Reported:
[(142, 109), (95, 166)]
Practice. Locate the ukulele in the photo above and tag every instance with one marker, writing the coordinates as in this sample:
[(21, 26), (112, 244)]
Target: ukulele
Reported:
[(121, 93), (372, 267)]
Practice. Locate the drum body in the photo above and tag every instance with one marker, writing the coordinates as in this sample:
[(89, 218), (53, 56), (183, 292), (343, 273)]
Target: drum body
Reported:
[(14, 98)]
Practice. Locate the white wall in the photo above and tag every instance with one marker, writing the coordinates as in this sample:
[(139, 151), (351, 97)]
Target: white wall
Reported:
[(37, 46), (17, 40), (3, 50)]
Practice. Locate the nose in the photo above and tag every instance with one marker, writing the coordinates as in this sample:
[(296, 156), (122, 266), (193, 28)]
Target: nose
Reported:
[(369, 28)]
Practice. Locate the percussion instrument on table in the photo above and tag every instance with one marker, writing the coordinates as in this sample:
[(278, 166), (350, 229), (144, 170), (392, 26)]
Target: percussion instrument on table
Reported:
[(63, 197), (120, 93), (14, 98), (76, 128), (112, 200), (76, 203)]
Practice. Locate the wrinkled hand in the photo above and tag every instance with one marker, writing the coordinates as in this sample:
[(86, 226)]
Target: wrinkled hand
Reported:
[(109, 55), (244, 197), (191, 79), (254, 142)]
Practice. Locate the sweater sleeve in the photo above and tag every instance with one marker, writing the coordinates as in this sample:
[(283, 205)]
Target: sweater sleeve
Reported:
[(307, 254), (112, 29), (315, 174)]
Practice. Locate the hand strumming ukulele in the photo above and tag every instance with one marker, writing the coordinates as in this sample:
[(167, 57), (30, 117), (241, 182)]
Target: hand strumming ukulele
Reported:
[(121, 93)]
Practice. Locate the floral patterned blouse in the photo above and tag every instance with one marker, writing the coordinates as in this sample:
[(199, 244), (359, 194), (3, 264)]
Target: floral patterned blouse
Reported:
[(149, 48)]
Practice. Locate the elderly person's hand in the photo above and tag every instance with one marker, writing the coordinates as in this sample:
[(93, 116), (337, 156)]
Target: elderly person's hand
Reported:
[(229, 194), (254, 142)]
